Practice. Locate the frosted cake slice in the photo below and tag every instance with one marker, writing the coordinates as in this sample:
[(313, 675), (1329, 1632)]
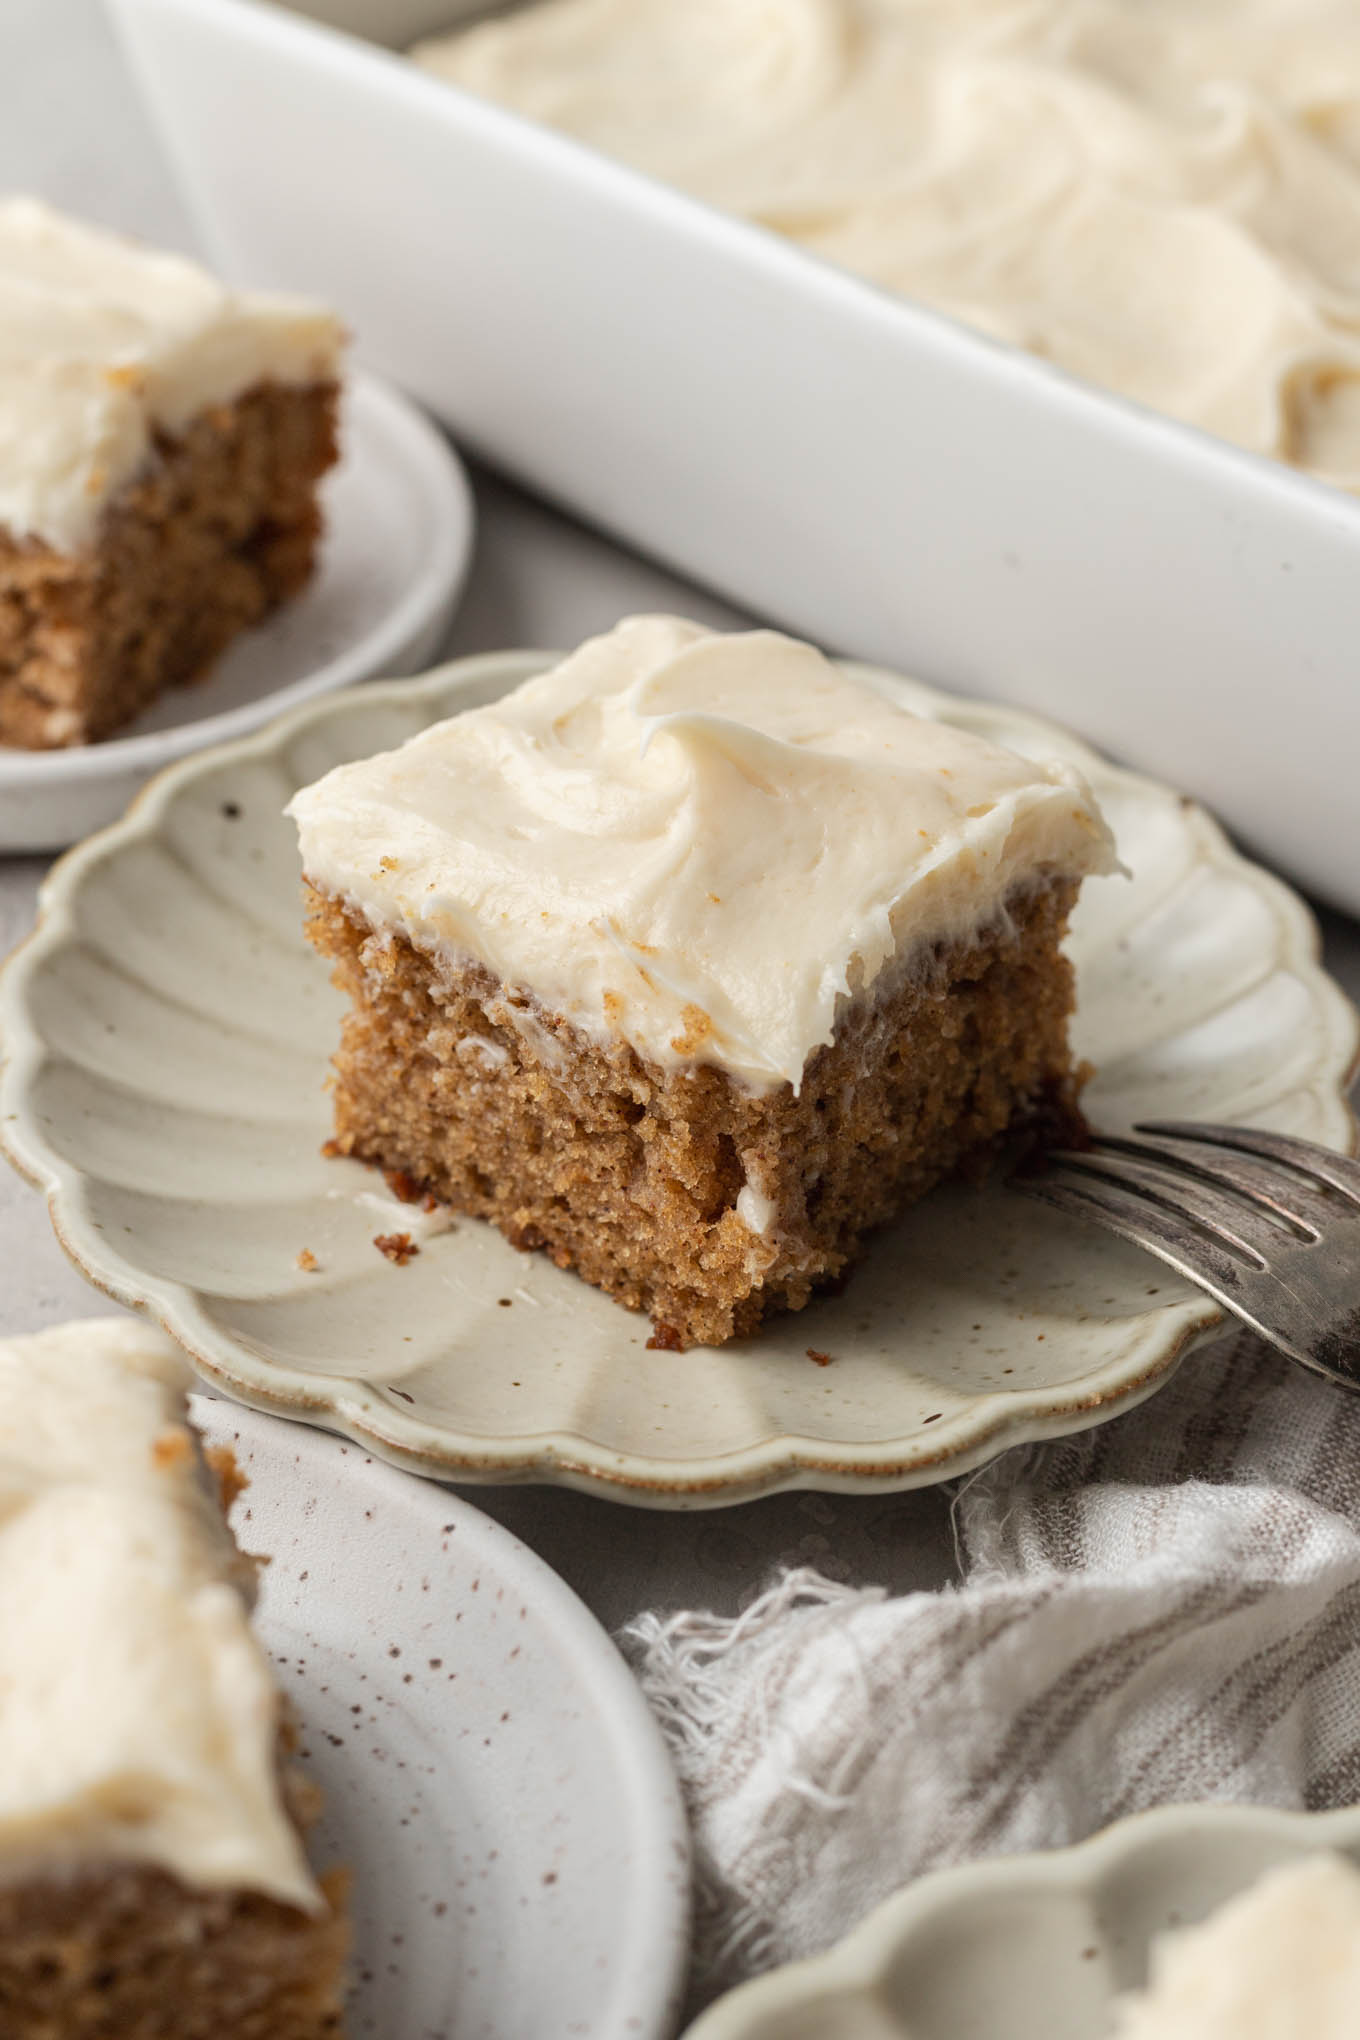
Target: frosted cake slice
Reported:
[(153, 1884), (161, 441), (694, 959), (1282, 1959)]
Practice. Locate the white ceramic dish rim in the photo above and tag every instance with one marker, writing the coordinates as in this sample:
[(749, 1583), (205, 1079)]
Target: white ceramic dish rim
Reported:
[(434, 593), (653, 1953), (987, 1425), (858, 1965), (968, 547), (779, 255)]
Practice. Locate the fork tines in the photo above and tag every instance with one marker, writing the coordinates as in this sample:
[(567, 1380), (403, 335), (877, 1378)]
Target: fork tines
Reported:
[(1250, 1190), (1305, 1158), (1268, 1225)]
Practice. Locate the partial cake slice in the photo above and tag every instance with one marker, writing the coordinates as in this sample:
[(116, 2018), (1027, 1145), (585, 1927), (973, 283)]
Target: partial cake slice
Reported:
[(153, 1884), (161, 441), (694, 959), (1280, 1961)]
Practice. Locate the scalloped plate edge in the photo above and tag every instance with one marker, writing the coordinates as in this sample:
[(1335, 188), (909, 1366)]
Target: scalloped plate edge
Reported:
[(857, 1966)]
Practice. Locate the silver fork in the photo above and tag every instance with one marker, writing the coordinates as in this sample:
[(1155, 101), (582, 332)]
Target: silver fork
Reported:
[(1268, 1225)]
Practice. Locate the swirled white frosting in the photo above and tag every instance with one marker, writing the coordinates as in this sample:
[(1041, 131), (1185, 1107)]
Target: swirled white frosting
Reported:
[(1281, 1959), (138, 1719), (102, 343), (705, 844), (1162, 196)]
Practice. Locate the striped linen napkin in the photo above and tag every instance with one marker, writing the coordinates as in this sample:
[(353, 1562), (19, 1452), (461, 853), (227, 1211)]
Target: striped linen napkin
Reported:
[(1164, 1609)]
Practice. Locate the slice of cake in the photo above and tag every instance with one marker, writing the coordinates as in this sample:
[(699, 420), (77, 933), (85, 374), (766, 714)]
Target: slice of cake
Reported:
[(161, 440), (153, 1884), (694, 959), (1281, 1961)]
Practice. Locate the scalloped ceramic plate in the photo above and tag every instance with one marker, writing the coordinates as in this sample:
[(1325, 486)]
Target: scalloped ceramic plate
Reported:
[(166, 1033), (1027, 1947), (492, 1776)]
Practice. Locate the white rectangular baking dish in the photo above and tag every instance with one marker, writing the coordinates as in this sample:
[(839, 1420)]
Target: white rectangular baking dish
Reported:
[(855, 468)]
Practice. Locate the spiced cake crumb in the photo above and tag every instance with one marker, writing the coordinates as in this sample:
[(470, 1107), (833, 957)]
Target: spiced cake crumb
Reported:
[(396, 1246)]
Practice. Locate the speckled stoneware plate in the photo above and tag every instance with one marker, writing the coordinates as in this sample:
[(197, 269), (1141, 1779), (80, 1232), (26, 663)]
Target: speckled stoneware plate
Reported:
[(398, 539), (1029, 1947), (166, 1034), (493, 1779)]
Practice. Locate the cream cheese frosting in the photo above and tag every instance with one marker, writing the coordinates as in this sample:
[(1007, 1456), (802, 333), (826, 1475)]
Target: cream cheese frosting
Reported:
[(138, 1719), (703, 843), (102, 344), (1160, 196), (1279, 1961)]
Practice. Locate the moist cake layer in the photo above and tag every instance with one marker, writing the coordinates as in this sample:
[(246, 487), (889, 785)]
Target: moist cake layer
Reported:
[(705, 846), (132, 1954), (107, 347), (1160, 196), (139, 1723), (683, 1192)]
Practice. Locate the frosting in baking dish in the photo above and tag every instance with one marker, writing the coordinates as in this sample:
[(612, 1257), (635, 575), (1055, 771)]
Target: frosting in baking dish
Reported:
[(102, 343), (703, 843), (138, 1718), (1282, 1958), (1161, 196)]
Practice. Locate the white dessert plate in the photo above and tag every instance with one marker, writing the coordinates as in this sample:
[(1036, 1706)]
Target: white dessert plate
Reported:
[(399, 526), (493, 1779), (1027, 1947), (166, 1034)]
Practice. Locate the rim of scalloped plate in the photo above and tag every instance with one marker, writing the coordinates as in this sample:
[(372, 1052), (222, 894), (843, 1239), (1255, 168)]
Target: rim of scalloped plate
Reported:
[(858, 1965)]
